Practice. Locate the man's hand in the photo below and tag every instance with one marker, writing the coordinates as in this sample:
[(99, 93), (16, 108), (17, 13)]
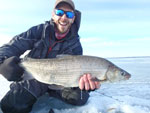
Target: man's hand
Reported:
[(86, 83)]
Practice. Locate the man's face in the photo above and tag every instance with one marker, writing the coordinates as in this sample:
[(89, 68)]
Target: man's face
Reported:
[(62, 22)]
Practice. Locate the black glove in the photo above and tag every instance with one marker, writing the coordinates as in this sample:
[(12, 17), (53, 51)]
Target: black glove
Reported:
[(74, 96), (11, 70)]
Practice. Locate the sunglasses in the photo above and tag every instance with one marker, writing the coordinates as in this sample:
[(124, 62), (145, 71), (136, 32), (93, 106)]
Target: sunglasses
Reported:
[(60, 12)]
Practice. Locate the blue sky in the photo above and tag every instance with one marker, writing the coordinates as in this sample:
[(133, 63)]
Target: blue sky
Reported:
[(109, 28)]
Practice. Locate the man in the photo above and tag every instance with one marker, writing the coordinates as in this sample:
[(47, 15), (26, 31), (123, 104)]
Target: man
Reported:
[(57, 36)]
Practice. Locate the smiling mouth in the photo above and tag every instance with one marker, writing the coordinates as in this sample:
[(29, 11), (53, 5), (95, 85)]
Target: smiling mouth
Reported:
[(63, 23)]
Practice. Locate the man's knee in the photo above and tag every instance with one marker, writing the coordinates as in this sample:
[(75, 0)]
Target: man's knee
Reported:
[(17, 100)]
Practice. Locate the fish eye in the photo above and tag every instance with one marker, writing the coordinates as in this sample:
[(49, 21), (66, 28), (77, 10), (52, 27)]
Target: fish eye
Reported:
[(123, 73)]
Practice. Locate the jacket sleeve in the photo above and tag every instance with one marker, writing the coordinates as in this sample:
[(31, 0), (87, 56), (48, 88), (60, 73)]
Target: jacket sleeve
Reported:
[(78, 50), (20, 43), (73, 47)]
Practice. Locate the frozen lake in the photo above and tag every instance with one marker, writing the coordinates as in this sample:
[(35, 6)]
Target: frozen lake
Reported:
[(132, 96)]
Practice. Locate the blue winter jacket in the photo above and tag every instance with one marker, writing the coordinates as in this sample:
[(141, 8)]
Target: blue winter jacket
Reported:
[(42, 43)]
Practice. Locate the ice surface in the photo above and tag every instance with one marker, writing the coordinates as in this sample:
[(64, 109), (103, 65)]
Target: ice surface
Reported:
[(132, 96)]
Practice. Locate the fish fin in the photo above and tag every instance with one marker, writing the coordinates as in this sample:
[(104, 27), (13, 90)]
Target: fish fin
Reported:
[(98, 80), (62, 55), (55, 87), (26, 58), (27, 76), (111, 110)]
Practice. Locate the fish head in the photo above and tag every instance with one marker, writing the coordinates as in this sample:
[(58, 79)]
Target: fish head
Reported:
[(115, 74)]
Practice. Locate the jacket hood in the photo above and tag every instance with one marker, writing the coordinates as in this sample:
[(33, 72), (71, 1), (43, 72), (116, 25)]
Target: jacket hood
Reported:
[(77, 21)]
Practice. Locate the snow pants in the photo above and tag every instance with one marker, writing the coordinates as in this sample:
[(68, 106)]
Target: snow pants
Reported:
[(22, 95)]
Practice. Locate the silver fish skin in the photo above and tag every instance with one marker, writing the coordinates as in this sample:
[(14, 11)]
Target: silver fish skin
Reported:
[(67, 70)]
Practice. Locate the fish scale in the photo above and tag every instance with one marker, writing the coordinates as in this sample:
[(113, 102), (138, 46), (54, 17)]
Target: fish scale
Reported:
[(67, 70)]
